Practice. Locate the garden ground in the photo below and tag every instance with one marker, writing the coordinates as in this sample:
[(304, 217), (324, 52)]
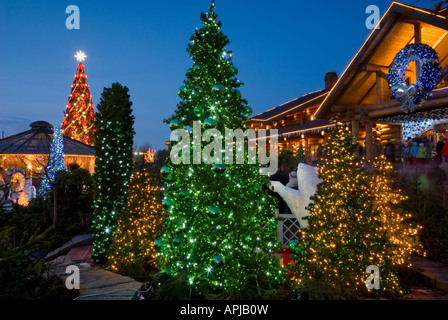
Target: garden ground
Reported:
[(100, 284)]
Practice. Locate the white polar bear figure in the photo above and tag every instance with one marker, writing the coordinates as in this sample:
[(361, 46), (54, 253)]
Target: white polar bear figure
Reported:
[(298, 200)]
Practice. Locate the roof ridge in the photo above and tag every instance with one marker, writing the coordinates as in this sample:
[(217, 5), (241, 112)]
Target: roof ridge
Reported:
[(300, 102)]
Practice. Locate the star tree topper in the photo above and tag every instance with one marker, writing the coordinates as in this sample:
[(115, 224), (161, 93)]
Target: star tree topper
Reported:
[(80, 56)]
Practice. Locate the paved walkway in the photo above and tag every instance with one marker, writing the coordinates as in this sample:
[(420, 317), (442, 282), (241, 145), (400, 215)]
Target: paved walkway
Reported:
[(419, 293), (96, 283), (436, 272)]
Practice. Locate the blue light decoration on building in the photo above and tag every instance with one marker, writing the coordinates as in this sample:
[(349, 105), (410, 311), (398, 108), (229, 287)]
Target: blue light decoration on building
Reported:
[(418, 123), (56, 162), (413, 95)]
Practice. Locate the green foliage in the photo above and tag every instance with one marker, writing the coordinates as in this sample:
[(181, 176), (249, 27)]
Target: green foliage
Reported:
[(75, 199), (300, 156), (431, 212), (113, 164), (21, 276), (287, 158), (215, 230), (172, 288), (132, 252), (354, 222), (322, 290), (177, 287)]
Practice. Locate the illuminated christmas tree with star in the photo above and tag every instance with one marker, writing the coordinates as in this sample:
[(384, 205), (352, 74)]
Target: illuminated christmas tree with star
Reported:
[(79, 116), (220, 226)]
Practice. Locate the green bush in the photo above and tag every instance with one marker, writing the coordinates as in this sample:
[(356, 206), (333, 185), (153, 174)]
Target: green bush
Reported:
[(21, 277), (286, 157), (430, 211), (74, 209)]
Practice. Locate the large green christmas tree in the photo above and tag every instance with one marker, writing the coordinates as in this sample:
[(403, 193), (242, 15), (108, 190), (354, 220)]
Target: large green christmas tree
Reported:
[(113, 164), (215, 231), (354, 223)]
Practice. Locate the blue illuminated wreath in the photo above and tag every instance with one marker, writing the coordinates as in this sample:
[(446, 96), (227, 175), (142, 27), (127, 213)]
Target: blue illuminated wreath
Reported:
[(413, 95)]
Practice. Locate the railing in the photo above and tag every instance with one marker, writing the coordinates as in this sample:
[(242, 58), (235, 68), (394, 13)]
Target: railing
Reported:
[(288, 228)]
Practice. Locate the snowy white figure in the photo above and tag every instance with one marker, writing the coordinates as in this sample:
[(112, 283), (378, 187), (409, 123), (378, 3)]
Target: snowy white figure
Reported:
[(298, 200), (293, 183)]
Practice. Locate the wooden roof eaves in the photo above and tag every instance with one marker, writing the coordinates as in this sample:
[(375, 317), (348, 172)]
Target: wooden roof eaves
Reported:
[(296, 108), (356, 63), (397, 12)]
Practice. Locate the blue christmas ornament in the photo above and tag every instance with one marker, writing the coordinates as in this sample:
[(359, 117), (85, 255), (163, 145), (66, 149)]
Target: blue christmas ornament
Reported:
[(213, 212), (219, 168), (218, 260), (209, 123), (167, 204), (183, 92), (174, 124), (217, 88)]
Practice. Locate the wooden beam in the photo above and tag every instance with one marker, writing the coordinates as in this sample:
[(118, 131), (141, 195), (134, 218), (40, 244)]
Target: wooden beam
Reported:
[(375, 68), (442, 60), (349, 113), (436, 20), (397, 109), (307, 152), (437, 94), (355, 134), (366, 95), (418, 39), (338, 108), (382, 70), (363, 118), (444, 73), (379, 89), (369, 141)]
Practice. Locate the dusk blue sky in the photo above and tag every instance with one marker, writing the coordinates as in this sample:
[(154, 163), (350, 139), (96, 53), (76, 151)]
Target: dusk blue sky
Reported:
[(282, 50)]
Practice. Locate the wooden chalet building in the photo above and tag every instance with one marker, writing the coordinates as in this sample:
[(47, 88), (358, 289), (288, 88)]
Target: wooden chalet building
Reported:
[(296, 123), (363, 98)]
